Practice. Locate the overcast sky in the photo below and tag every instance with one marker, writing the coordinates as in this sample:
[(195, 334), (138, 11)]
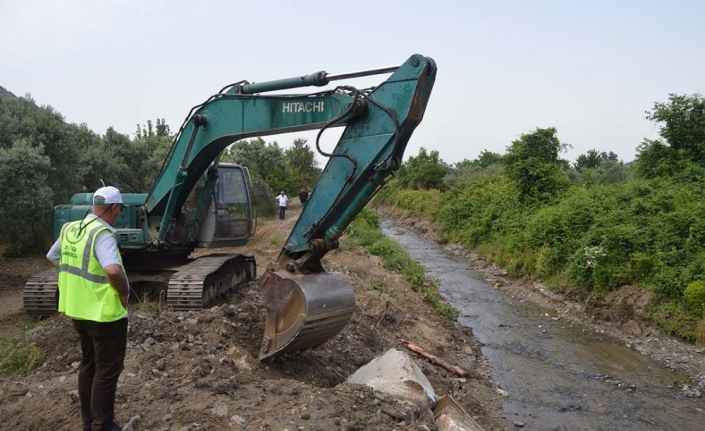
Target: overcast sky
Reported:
[(589, 68)]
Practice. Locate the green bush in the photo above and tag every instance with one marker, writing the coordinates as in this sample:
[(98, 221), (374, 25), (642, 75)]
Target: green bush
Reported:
[(694, 295)]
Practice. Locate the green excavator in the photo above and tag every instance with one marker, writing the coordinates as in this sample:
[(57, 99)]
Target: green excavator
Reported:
[(199, 202)]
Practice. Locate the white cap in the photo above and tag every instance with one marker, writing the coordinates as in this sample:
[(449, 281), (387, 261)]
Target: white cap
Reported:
[(107, 195)]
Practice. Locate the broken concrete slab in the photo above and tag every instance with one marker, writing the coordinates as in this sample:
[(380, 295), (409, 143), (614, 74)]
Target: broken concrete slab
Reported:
[(396, 374)]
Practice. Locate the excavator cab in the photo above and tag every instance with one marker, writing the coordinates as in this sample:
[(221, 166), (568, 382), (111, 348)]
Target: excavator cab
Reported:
[(229, 220)]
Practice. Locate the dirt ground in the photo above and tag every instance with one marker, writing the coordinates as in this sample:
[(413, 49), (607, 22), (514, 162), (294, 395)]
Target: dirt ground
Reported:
[(199, 370)]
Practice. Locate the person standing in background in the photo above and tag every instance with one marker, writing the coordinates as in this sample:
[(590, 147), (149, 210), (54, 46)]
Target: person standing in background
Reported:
[(303, 197), (283, 201)]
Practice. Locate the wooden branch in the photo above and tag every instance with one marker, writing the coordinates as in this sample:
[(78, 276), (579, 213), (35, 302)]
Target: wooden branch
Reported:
[(384, 314), (435, 360)]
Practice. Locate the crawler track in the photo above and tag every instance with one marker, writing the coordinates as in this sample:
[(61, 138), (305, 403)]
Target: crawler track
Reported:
[(202, 282), (196, 286), (40, 295)]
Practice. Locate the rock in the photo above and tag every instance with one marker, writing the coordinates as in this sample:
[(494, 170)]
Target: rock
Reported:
[(18, 391), (519, 424), (396, 374), (150, 341), (502, 392), (220, 410), (73, 396), (62, 379), (130, 426)]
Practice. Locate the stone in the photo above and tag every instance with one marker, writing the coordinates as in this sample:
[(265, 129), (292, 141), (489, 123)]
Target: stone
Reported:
[(220, 410), (239, 421), (396, 374)]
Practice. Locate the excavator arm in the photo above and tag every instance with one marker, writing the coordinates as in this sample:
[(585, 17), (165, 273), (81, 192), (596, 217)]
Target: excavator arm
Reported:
[(305, 304)]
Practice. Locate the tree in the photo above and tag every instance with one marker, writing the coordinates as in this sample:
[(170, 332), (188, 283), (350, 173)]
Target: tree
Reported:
[(593, 158), (486, 163), (265, 159), (424, 171), (302, 165), (162, 130), (681, 123), (533, 164), (26, 198)]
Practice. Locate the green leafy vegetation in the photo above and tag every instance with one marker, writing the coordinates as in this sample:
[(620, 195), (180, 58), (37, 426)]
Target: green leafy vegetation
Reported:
[(590, 227), (365, 231)]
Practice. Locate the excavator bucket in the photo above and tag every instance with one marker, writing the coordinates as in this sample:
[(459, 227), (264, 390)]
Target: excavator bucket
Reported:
[(303, 310)]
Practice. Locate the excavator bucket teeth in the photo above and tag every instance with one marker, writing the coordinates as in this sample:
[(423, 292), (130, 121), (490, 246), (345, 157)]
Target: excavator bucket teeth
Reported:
[(304, 310)]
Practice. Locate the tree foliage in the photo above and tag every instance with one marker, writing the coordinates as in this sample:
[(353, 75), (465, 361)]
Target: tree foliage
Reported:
[(303, 166), (681, 123), (26, 198), (424, 171), (486, 163), (593, 159), (533, 164)]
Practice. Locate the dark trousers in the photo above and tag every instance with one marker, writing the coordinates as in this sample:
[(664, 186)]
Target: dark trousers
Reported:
[(103, 345), (282, 210)]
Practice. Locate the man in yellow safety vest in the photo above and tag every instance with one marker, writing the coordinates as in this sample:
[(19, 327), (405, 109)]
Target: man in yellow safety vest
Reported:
[(93, 292)]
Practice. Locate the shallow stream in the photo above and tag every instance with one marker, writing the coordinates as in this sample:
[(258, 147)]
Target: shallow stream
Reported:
[(558, 375)]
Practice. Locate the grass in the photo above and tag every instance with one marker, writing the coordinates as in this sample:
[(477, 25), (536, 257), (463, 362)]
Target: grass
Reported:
[(377, 286), (17, 357), (277, 240), (365, 232), (147, 306)]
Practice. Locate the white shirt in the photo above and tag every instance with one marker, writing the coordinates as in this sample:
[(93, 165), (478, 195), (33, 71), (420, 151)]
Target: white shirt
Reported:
[(282, 200)]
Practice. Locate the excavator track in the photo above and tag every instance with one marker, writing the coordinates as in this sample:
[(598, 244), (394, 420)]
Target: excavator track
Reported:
[(40, 295), (202, 282)]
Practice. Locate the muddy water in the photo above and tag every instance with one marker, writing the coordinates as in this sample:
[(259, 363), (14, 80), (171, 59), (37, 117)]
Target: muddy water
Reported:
[(558, 375)]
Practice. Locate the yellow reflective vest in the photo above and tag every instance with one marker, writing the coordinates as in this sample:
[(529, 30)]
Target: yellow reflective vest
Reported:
[(84, 290)]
